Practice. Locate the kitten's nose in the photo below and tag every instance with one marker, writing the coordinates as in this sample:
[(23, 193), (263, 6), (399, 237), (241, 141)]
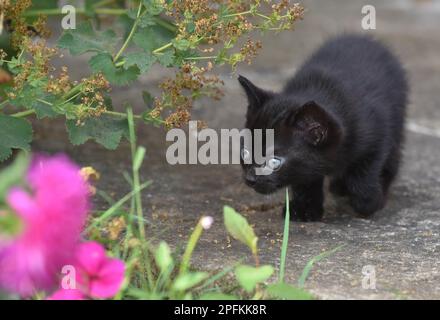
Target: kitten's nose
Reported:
[(250, 178)]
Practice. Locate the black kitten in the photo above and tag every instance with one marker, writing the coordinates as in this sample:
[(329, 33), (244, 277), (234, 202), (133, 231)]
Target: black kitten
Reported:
[(342, 115)]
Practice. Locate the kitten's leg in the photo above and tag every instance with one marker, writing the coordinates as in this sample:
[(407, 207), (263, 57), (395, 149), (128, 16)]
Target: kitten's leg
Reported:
[(307, 203), (365, 189), (390, 170), (338, 187)]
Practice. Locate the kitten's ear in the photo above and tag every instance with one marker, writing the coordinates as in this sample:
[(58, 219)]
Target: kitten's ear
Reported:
[(318, 126), (255, 95)]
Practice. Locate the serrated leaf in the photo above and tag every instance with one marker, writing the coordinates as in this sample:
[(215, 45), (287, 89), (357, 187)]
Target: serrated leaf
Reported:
[(69, 109), (154, 7), (146, 20), (15, 133), (189, 280), (288, 292), (85, 39), (166, 58), (27, 96), (239, 228), (248, 277), (103, 62), (181, 44), (43, 110), (104, 129), (152, 38), (142, 60), (163, 256), (45, 107)]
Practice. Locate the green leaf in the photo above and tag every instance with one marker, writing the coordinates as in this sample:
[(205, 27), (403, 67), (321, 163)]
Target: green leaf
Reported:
[(28, 95), (152, 38), (154, 7), (14, 173), (285, 243), (85, 39), (239, 228), (248, 277), (142, 60), (288, 292), (166, 58), (103, 62), (217, 296), (189, 280), (105, 130), (147, 20), (15, 133), (181, 44), (43, 110), (163, 256), (45, 107)]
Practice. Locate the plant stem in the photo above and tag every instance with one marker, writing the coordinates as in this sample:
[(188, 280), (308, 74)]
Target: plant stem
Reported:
[(121, 114), (201, 58), (169, 44), (237, 14), (73, 91), (23, 114), (29, 112), (82, 11), (164, 23), (136, 163), (136, 180), (192, 242), (130, 35)]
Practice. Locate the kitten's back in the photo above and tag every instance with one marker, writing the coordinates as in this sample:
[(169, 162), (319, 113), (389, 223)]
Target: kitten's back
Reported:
[(362, 65)]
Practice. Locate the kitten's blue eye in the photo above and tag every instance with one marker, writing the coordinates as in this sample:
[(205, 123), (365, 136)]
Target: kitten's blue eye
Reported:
[(245, 155), (274, 164)]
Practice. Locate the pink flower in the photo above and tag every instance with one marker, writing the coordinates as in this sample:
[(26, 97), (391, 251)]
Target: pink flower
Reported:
[(97, 275), (53, 216), (67, 294)]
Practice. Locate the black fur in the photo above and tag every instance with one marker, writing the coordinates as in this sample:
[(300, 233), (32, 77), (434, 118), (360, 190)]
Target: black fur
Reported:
[(342, 115)]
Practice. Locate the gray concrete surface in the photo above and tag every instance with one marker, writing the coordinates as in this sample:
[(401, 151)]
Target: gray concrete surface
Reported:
[(401, 241)]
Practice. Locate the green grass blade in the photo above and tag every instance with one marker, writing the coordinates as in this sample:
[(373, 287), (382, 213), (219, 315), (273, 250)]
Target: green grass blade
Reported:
[(285, 240), (312, 261), (113, 209)]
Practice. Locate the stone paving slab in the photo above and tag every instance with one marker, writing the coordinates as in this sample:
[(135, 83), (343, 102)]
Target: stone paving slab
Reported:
[(401, 241)]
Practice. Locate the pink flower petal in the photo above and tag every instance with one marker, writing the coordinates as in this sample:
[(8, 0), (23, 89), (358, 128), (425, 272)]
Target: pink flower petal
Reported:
[(53, 215), (109, 280), (22, 203), (90, 256), (67, 294)]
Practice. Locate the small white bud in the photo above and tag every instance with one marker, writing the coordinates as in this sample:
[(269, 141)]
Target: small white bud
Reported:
[(206, 222)]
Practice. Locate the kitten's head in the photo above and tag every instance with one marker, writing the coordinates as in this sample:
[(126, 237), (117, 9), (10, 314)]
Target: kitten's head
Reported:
[(306, 139)]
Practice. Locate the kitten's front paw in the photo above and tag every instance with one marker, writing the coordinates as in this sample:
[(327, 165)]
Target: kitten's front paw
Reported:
[(367, 206), (301, 214)]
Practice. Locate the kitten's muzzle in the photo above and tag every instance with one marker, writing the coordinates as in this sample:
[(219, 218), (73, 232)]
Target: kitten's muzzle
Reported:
[(250, 178)]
